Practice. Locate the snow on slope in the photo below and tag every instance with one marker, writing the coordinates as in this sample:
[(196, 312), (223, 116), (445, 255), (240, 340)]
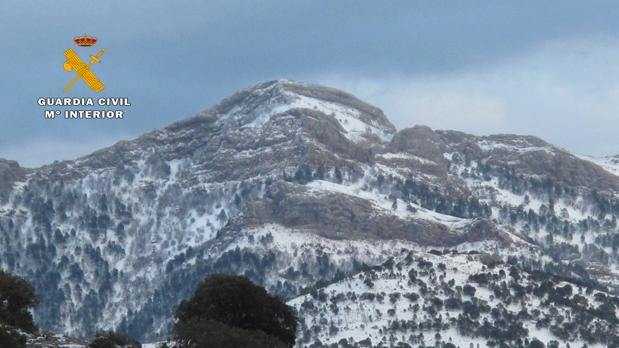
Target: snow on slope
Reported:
[(519, 147), (610, 163), (349, 118), (400, 209), (424, 298)]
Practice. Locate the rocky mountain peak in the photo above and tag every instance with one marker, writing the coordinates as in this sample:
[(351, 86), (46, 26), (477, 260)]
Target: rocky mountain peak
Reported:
[(255, 106), (269, 120)]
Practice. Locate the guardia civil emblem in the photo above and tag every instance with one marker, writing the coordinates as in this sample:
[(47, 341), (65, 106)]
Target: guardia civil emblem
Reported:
[(82, 70)]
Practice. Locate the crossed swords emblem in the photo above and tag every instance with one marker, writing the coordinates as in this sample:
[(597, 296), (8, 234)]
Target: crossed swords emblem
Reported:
[(74, 62)]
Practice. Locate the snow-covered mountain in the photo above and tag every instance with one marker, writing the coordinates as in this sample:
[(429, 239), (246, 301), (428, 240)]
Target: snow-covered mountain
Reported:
[(302, 188)]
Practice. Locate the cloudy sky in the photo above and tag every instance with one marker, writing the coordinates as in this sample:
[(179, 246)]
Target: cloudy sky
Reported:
[(549, 69)]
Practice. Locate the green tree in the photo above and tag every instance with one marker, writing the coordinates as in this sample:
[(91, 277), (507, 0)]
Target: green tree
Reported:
[(17, 297), (234, 312)]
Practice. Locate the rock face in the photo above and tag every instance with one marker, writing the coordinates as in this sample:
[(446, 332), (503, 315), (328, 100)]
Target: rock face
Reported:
[(10, 172), (290, 184)]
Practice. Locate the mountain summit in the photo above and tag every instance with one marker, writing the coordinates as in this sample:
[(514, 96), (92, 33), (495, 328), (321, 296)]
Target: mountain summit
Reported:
[(297, 186)]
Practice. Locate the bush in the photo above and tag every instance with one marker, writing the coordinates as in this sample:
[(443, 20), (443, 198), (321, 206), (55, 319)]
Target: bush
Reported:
[(10, 338), (469, 290), (535, 343), (112, 340), (237, 313)]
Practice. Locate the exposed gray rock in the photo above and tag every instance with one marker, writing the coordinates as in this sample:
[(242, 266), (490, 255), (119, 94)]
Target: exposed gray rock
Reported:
[(10, 172)]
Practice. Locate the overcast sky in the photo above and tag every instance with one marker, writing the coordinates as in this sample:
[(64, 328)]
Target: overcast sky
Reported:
[(549, 69)]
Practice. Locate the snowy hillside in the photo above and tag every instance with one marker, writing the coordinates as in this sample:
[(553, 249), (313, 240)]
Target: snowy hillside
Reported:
[(296, 186), (436, 299)]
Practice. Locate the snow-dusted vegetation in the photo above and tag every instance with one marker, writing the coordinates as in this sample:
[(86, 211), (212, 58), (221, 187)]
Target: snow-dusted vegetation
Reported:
[(303, 189)]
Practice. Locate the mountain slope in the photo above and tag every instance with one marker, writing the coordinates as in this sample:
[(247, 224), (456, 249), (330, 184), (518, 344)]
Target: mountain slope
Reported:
[(436, 299), (293, 185)]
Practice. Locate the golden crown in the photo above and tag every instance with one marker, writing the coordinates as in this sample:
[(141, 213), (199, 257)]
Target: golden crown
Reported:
[(85, 40)]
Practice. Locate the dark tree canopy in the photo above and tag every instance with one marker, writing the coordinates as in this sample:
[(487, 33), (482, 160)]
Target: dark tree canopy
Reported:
[(210, 333), (112, 340), (234, 310), (535, 343), (11, 338), (16, 298)]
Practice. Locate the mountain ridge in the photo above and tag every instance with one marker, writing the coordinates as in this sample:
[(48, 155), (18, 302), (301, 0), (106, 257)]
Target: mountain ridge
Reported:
[(290, 184)]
